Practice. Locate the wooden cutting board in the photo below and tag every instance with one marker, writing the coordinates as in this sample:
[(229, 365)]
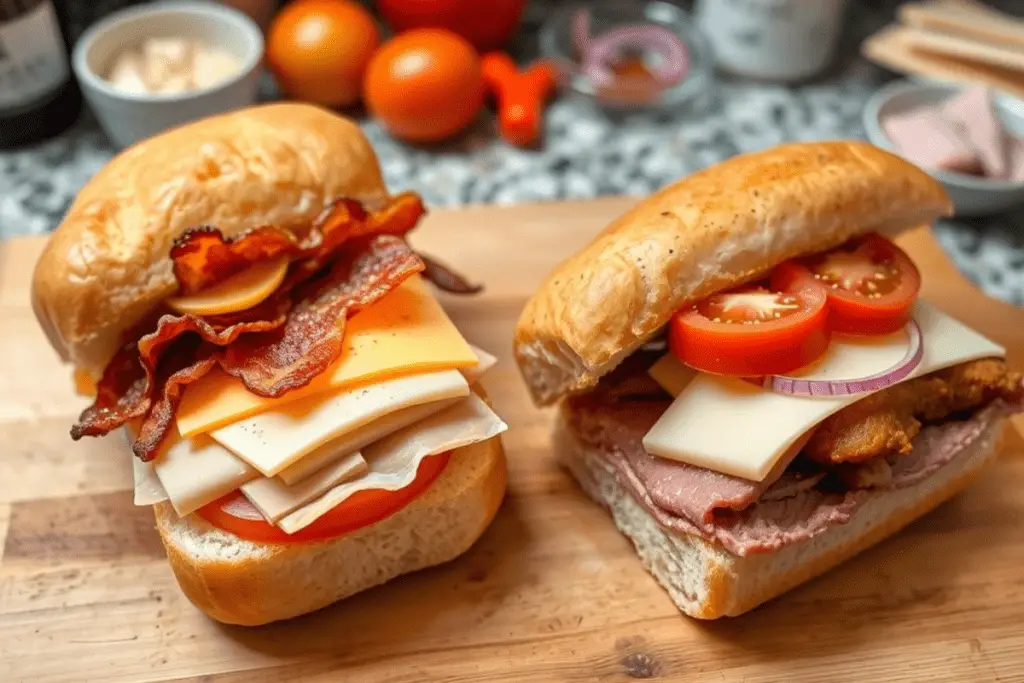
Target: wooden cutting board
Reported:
[(552, 592)]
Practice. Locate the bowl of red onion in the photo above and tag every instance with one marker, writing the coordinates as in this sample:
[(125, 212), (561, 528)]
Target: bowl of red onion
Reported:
[(627, 55)]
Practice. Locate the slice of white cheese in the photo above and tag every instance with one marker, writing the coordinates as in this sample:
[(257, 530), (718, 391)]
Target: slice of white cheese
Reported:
[(274, 498), (198, 471), (339, 448), (148, 489), (378, 429), (394, 460), (273, 440), (485, 362), (731, 426)]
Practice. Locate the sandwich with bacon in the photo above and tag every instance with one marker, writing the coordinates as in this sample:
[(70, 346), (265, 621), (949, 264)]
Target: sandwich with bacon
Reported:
[(238, 297), (748, 378)]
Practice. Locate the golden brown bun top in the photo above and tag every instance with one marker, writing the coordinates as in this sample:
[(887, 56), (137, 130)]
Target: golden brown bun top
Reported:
[(108, 265), (718, 228)]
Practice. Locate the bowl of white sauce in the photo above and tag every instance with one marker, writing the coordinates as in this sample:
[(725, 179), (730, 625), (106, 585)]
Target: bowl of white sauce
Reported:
[(146, 69)]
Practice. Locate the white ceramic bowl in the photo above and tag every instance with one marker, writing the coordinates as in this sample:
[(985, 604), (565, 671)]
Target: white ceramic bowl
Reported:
[(130, 117), (973, 196)]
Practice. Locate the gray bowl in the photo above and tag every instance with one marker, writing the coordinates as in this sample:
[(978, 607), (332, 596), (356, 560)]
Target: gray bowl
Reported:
[(972, 196), (129, 117)]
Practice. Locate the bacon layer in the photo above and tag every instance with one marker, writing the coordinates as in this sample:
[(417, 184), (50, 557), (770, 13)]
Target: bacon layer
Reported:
[(202, 257), (273, 348)]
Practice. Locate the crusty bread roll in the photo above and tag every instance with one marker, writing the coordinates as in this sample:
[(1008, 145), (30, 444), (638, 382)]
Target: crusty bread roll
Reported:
[(240, 582), (714, 229), (708, 582), (108, 265)]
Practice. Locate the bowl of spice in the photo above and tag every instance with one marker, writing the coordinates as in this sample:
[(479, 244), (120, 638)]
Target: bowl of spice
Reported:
[(970, 138), (646, 55), (157, 66)]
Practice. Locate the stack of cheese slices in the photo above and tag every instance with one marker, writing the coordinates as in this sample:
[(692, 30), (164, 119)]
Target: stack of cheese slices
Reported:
[(402, 391)]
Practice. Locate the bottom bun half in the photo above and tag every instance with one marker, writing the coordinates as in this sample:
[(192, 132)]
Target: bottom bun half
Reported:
[(708, 582), (236, 581)]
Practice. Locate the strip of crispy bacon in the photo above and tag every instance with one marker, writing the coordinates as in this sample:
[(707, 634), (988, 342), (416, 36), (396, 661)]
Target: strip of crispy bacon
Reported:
[(202, 257), (299, 337), (122, 394), (311, 339)]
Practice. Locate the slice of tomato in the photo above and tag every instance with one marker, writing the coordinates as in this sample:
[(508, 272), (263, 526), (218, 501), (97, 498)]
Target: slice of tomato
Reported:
[(752, 331), (234, 513), (871, 284)]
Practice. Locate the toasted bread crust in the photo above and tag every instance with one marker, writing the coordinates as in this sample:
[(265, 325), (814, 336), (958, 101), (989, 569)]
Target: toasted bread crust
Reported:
[(715, 229), (241, 582)]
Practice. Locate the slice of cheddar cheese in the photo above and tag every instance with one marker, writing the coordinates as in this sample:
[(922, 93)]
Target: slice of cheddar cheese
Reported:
[(406, 332)]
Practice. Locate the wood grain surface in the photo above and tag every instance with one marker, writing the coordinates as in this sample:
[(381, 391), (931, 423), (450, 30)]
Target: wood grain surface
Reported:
[(552, 592)]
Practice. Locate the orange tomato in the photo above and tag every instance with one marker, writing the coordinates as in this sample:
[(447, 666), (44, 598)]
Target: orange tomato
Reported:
[(487, 24), (319, 49), (425, 85)]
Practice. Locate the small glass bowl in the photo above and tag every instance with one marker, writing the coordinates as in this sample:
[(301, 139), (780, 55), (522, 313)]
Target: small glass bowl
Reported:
[(557, 44)]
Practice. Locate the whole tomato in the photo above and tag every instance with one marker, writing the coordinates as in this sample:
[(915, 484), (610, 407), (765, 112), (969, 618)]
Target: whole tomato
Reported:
[(424, 85), (319, 50), (487, 24)]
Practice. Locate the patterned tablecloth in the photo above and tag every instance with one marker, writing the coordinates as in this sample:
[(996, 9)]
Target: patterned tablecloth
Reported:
[(585, 154)]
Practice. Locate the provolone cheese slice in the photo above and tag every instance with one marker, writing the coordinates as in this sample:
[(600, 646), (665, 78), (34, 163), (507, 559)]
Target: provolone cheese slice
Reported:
[(731, 426), (274, 498), (237, 293), (407, 332), (484, 363), (148, 489), (341, 447), (394, 460), (273, 440), (198, 471)]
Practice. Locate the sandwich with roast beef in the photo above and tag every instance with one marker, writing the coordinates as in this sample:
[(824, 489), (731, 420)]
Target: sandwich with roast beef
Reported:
[(240, 301), (748, 378)]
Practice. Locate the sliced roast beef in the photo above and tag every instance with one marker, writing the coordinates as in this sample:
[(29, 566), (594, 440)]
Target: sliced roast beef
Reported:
[(750, 517), (694, 493)]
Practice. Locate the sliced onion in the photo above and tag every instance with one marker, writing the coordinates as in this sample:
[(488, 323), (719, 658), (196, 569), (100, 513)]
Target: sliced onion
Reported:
[(796, 386), (599, 52)]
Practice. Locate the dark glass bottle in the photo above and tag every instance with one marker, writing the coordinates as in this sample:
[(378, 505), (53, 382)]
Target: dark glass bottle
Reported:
[(39, 96)]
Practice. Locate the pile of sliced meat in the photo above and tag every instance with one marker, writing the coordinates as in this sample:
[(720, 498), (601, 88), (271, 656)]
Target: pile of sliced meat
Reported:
[(346, 260), (902, 436)]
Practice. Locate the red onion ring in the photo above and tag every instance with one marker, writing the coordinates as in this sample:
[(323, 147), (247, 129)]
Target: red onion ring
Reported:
[(795, 386), (600, 51)]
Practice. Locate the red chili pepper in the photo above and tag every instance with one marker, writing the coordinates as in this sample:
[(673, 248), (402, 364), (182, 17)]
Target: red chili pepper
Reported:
[(521, 95)]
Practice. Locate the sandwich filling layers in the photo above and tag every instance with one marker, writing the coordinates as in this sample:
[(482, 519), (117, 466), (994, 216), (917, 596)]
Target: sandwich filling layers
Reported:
[(802, 500), (782, 405), (306, 383)]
